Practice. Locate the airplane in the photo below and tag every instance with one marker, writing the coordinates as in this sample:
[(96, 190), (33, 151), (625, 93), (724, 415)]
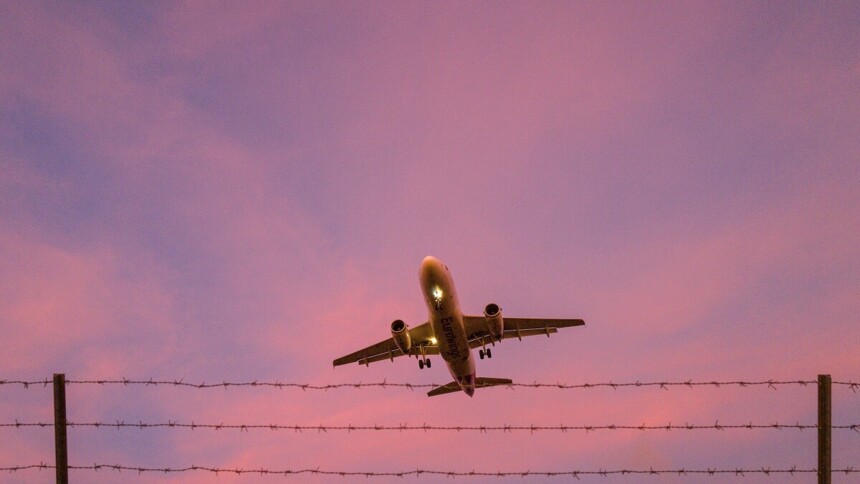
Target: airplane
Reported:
[(453, 335)]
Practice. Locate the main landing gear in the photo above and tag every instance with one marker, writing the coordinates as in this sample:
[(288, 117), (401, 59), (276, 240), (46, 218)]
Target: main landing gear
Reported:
[(484, 351), (424, 361)]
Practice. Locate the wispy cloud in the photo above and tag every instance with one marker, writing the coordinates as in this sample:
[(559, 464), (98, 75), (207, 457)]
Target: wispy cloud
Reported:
[(207, 191)]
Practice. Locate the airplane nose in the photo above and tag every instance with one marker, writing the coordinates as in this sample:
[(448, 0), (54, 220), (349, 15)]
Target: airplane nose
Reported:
[(429, 261), (429, 264)]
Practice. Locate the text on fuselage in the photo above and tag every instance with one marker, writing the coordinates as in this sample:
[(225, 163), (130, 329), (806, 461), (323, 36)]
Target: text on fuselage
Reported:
[(450, 337)]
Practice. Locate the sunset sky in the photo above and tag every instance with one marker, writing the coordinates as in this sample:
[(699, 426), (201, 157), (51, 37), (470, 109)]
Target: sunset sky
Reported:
[(244, 191)]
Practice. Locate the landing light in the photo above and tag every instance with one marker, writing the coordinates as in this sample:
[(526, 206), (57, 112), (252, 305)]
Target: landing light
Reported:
[(433, 341), (437, 293)]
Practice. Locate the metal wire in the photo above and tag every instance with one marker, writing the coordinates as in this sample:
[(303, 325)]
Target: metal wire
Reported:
[(665, 385), (428, 428), (419, 472)]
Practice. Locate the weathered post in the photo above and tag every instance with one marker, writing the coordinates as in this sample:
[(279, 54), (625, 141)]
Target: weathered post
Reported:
[(824, 422), (60, 443)]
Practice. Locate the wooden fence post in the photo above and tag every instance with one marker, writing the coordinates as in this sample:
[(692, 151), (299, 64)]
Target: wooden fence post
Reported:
[(824, 422), (60, 442)]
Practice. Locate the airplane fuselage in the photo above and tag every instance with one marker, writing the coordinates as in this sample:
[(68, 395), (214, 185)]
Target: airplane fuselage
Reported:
[(446, 320)]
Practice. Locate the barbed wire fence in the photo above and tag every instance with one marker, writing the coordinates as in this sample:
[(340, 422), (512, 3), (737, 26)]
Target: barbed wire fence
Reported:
[(430, 472), (426, 427), (665, 385), (61, 424)]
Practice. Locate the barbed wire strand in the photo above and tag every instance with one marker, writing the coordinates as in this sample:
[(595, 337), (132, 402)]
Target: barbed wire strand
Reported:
[(427, 428), (418, 472), (665, 385)]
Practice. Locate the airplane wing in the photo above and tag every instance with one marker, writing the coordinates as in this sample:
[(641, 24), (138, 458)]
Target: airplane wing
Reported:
[(387, 350), (478, 333)]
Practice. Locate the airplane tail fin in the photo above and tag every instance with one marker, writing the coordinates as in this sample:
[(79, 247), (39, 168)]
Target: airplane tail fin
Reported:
[(480, 382)]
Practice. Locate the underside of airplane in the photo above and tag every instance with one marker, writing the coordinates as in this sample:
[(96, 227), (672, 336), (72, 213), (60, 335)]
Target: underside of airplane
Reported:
[(453, 335)]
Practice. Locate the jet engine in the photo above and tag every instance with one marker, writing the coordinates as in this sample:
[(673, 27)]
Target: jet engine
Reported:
[(495, 323), (400, 333)]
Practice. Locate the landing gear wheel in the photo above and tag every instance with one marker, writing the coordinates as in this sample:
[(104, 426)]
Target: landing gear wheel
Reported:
[(427, 363), (421, 364), (481, 354), (489, 353)]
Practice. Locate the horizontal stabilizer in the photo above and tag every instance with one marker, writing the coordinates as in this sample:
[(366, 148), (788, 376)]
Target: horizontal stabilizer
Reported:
[(491, 382), (449, 388), (480, 382)]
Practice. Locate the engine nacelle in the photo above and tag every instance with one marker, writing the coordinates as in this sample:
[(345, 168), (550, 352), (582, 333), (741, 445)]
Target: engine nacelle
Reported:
[(495, 323), (400, 334)]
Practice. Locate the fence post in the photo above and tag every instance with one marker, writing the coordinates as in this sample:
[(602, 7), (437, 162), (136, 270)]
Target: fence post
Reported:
[(60, 443), (824, 422)]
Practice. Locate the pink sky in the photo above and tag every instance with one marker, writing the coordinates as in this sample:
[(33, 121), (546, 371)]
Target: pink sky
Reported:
[(244, 191)]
